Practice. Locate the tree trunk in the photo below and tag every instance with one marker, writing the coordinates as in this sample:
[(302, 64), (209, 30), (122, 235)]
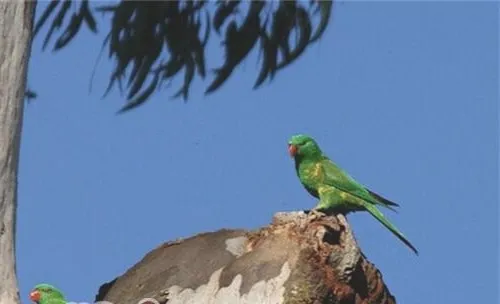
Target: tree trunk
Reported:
[(299, 258), (16, 21)]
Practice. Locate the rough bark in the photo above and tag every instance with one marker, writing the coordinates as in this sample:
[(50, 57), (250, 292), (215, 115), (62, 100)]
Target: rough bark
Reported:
[(298, 258), (16, 19)]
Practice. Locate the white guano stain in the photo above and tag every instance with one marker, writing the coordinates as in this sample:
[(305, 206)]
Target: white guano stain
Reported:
[(263, 292)]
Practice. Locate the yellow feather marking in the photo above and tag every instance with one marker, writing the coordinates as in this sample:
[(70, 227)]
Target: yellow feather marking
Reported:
[(322, 190), (325, 189), (317, 170)]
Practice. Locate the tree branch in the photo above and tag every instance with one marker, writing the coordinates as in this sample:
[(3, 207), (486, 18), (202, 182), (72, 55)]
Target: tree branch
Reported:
[(151, 42)]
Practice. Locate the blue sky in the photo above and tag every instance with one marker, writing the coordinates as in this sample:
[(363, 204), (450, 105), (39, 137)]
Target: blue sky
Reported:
[(401, 95)]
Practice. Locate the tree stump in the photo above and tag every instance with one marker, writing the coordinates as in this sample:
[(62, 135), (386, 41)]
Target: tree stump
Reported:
[(298, 258)]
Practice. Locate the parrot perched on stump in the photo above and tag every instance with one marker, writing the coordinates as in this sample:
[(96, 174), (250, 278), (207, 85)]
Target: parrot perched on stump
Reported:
[(47, 294), (336, 190)]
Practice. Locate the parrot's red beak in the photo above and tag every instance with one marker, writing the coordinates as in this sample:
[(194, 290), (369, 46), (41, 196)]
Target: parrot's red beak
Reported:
[(292, 149), (35, 296)]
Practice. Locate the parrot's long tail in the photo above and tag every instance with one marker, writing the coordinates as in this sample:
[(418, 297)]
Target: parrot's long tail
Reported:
[(381, 218)]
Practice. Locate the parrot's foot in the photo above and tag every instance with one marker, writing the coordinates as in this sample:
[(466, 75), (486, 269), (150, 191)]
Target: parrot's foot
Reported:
[(315, 213)]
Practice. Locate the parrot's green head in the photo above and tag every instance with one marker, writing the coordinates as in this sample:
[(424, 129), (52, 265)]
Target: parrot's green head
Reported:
[(44, 293), (301, 146)]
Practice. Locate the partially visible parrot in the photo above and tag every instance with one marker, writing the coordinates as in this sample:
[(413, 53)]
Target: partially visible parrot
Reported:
[(336, 190), (47, 294)]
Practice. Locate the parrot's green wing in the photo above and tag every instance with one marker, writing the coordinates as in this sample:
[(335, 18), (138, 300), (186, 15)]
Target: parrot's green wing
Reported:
[(338, 178), (382, 199), (333, 176)]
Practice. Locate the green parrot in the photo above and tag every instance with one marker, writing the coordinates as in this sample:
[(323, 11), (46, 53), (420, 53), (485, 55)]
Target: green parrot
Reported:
[(336, 190), (47, 294)]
